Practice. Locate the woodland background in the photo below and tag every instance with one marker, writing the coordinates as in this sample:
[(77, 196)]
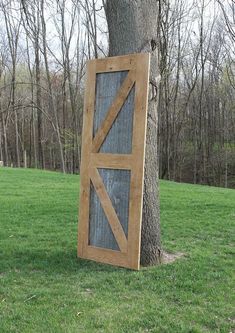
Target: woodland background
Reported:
[(44, 46)]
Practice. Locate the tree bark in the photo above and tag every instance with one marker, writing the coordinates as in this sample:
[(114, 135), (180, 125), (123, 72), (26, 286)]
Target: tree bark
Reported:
[(133, 28), (52, 103)]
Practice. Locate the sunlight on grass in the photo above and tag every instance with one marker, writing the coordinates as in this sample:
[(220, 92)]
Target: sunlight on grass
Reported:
[(45, 288)]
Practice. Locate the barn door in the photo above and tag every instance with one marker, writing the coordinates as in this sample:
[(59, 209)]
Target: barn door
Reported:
[(112, 168)]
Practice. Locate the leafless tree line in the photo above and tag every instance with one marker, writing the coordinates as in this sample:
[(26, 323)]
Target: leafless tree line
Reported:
[(44, 46), (196, 108)]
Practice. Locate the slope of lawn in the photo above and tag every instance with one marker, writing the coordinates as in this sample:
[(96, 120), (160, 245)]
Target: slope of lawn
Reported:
[(45, 288)]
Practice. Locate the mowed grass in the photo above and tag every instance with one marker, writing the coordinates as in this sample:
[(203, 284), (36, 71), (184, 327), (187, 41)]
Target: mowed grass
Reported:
[(45, 288)]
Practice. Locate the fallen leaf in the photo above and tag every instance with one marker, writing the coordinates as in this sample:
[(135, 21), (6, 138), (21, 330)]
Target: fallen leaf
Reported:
[(28, 299)]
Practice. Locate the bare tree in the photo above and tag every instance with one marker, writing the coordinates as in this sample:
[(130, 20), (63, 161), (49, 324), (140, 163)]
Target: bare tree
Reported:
[(13, 26), (42, 58), (228, 9), (130, 32)]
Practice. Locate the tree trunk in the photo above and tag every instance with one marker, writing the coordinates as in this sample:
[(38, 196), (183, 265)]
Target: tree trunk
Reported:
[(17, 149), (52, 103), (39, 105), (132, 29)]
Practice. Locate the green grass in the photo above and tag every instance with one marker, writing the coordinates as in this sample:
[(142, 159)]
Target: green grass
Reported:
[(45, 288)]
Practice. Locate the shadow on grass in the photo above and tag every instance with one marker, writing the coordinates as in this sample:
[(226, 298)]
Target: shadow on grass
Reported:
[(53, 261)]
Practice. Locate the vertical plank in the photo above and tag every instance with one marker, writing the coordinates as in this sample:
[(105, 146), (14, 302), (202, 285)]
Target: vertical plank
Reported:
[(138, 151), (87, 134)]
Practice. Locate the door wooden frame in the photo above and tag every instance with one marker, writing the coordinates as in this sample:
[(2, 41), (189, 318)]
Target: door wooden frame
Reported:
[(137, 66)]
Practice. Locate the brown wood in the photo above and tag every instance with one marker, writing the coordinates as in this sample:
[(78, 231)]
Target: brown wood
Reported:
[(112, 161), (114, 64), (107, 256), (129, 254), (138, 151), (86, 148)]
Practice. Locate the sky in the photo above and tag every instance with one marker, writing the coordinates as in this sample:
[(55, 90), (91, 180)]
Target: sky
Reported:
[(52, 17)]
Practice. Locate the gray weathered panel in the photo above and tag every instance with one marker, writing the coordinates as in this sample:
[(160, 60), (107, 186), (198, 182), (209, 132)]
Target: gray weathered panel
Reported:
[(100, 233), (117, 184), (118, 141), (119, 138)]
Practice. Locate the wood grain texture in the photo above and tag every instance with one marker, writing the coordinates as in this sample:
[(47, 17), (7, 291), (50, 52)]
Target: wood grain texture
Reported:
[(112, 161), (138, 151), (107, 256), (116, 64), (113, 150), (87, 134)]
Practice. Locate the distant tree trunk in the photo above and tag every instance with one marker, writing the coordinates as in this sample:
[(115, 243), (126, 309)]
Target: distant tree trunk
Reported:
[(12, 32), (1, 119), (133, 28), (52, 103), (17, 150), (31, 21), (3, 124), (6, 162), (38, 101)]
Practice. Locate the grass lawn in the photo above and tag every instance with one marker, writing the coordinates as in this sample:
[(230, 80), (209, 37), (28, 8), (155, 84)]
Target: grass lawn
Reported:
[(45, 288)]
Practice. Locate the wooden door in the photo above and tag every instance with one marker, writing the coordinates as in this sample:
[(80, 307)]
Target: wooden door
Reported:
[(112, 167)]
